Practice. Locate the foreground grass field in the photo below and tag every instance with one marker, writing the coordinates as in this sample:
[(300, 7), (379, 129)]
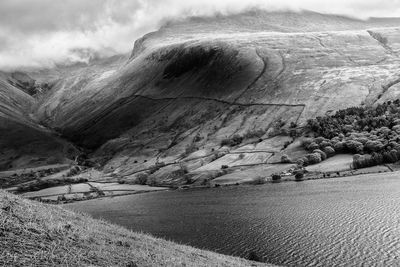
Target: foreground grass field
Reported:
[(35, 234)]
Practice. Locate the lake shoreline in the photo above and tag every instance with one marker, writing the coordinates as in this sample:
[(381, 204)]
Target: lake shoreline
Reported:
[(98, 192), (289, 178)]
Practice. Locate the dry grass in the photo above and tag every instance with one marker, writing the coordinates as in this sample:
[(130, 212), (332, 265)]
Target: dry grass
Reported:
[(35, 234)]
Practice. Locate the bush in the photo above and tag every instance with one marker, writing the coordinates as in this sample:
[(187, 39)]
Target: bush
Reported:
[(151, 180), (396, 128), (254, 134), (141, 178), (300, 162), (259, 180), (373, 146), (329, 151), (306, 142), (339, 147), (314, 158), (225, 142), (233, 141), (305, 160), (319, 140), (285, 159), (354, 146), (153, 169), (313, 146), (299, 175), (276, 177), (325, 144), (322, 154), (189, 149), (188, 179), (197, 138), (390, 156), (286, 144), (361, 161), (377, 158)]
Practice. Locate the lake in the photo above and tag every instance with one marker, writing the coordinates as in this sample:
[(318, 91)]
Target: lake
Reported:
[(352, 221)]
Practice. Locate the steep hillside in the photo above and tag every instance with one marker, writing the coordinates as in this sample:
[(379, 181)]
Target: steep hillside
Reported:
[(194, 83), (23, 141), (42, 235)]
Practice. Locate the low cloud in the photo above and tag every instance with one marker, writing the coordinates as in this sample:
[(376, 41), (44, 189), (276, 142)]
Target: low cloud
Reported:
[(44, 32)]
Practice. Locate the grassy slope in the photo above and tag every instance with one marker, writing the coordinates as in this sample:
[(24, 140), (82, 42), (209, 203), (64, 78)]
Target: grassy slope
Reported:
[(34, 234)]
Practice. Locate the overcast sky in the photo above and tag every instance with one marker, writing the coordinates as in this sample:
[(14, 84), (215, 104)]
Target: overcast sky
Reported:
[(41, 32)]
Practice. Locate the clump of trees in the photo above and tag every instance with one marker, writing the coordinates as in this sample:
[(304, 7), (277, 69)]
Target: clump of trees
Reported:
[(371, 133)]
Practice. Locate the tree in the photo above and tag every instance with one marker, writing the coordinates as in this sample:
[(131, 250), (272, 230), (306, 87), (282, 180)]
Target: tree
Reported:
[(233, 141), (323, 155), (299, 175), (314, 158), (354, 146), (141, 178), (306, 142), (329, 151), (324, 144), (373, 146), (300, 162), (285, 159), (339, 147), (313, 146), (276, 177)]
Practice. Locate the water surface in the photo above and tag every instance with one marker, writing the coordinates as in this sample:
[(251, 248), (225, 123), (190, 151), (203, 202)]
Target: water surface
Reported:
[(352, 221)]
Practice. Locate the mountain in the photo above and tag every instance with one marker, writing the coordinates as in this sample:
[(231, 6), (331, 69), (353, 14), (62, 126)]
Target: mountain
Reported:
[(200, 83)]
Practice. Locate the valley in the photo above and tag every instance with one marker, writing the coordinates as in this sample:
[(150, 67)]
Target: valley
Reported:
[(272, 122), (191, 105)]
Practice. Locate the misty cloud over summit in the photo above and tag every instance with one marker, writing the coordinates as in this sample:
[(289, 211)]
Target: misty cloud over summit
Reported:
[(44, 32)]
